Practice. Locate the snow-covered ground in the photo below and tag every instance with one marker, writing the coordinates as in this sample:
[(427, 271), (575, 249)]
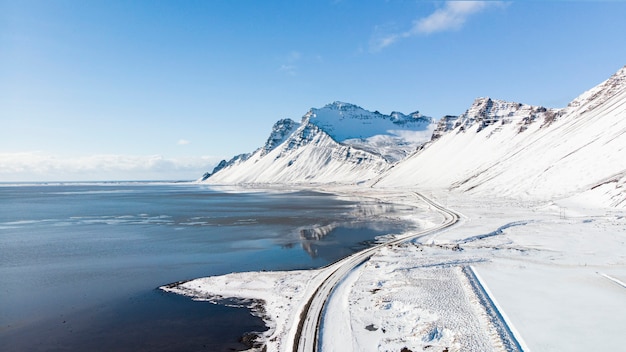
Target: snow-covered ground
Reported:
[(555, 270)]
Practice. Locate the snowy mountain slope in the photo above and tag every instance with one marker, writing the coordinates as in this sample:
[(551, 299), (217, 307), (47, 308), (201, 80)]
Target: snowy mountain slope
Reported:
[(393, 136), (281, 130), (511, 149), (340, 143), (307, 155)]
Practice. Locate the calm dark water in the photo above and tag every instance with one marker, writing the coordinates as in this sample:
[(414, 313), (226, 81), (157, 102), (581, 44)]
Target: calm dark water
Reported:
[(80, 263)]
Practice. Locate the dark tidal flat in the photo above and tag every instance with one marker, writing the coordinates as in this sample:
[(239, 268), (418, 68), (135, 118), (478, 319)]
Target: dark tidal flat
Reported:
[(80, 263)]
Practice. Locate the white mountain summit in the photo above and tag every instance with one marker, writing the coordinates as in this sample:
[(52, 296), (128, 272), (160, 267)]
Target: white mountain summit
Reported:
[(340, 143)]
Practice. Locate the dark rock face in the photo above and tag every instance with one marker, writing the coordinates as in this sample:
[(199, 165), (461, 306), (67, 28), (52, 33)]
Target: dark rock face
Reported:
[(485, 112), (444, 125), (280, 132), (223, 164)]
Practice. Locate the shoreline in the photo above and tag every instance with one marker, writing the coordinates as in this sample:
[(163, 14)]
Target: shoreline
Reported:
[(485, 236)]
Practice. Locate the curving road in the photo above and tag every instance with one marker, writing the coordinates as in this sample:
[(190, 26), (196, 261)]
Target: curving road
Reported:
[(307, 333)]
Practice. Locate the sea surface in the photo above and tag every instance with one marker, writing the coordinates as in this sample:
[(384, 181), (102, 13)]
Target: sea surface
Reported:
[(80, 263)]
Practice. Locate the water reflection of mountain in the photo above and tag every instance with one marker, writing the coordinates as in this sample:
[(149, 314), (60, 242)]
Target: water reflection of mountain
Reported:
[(317, 233), (365, 222), (374, 209), (337, 240)]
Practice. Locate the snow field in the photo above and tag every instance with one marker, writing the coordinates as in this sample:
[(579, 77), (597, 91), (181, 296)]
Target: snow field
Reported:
[(554, 269), (546, 273), (410, 297)]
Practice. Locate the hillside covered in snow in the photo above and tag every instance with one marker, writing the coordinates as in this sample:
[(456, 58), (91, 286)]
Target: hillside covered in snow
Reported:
[(339, 143), (511, 149)]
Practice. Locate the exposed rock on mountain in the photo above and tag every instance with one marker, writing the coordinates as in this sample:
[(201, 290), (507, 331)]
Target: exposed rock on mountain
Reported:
[(280, 132)]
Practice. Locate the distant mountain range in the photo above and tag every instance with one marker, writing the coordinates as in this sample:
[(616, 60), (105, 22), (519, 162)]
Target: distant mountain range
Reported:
[(494, 148)]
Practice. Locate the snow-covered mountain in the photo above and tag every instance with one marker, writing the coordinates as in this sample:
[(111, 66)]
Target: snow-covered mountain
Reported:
[(280, 132), (393, 136), (494, 148), (511, 149), (340, 143)]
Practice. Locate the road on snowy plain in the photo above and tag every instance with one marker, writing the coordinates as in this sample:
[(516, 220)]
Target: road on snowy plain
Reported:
[(307, 334)]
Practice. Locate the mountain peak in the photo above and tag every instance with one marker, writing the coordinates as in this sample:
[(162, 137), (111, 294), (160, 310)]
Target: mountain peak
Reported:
[(342, 106), (486, 111), (344, 121), (485, 108), (599, 94), (280, 131)]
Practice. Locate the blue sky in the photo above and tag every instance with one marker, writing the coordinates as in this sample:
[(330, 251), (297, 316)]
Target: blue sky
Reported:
[(100, 90)]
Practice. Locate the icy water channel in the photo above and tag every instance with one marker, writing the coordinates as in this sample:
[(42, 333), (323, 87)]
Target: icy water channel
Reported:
[(80, 263)]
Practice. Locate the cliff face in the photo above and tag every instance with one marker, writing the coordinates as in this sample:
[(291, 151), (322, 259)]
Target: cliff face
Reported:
[(280, 132), (447, 123)]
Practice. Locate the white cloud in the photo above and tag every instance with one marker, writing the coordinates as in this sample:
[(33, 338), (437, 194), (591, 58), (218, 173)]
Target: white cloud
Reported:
[(388, 40), (40, 166), (290, 67), (451, 16), (295, 60), (294, 56), (183, 142)]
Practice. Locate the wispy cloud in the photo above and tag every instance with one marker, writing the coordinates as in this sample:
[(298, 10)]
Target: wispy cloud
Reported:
[(183, 142), (41, 166), (295, 61), (290, 67), (294, 56), (452, 16)]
